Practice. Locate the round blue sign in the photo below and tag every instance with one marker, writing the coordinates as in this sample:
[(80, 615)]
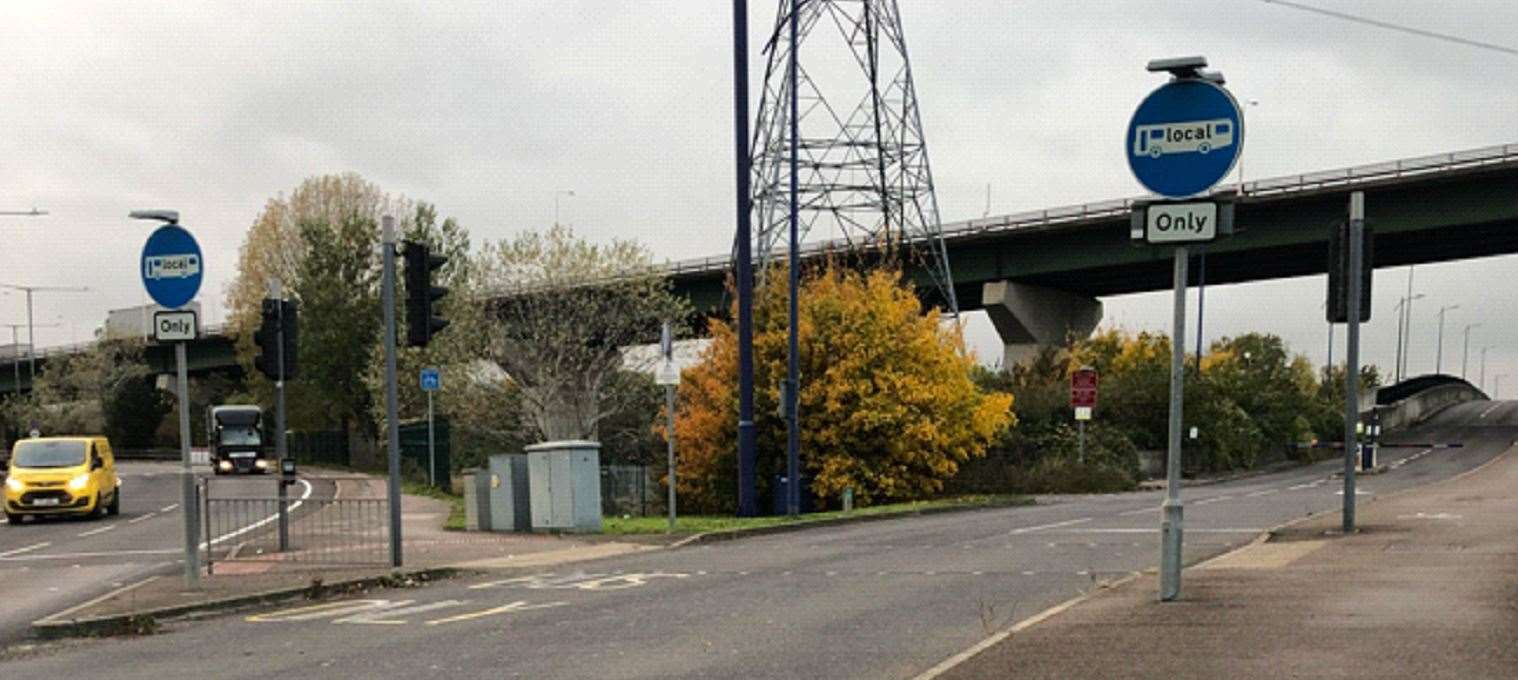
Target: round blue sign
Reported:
[(1184, 138), (171, 266)]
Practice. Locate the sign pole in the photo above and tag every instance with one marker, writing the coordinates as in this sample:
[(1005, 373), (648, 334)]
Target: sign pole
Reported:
[(669, 377), (392, 426), (1170, 556), (1081, 453), (187, 475), (431, 445), (1352, 358)]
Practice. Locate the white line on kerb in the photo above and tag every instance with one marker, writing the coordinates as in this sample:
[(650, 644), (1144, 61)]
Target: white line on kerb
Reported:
[(29, 548)]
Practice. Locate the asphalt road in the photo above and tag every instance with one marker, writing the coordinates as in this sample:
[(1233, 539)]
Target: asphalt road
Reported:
[(50, 564), (875, 600)]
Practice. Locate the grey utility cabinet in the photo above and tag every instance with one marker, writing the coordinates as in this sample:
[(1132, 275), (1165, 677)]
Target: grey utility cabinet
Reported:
[(476, 500), (508, 493), (565, 485)]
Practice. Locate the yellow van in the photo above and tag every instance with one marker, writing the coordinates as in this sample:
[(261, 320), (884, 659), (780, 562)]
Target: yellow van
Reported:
[(62, 476)]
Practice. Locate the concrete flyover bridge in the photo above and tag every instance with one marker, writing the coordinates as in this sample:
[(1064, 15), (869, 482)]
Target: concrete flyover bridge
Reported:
[(1039, 274)]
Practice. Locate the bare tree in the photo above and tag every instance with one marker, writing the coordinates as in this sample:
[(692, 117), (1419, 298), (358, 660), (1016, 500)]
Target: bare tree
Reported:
[(561, 311)]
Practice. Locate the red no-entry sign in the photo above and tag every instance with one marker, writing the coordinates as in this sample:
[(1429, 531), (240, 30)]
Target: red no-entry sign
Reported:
[(1083, 388)]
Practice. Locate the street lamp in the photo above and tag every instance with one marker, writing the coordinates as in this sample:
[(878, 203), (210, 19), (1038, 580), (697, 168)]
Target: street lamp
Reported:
[(1483, 366), (1439, 349), (1404, 332), (31, 335), (1465, 355), (562, 192)]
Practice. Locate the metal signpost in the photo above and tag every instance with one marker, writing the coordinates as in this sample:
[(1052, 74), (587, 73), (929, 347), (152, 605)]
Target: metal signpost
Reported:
[(1352, 354), (172, 270), (1083, 399), (392, 426), (1182, 140), (669, 377), (432, 381)]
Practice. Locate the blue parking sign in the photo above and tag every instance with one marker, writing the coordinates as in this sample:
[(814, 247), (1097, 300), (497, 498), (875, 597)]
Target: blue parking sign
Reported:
[(171, 266), (1184, 138), (432, 380)]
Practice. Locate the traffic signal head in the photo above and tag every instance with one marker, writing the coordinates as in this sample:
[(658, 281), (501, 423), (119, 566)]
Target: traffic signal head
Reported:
[(266, 340), (422, 321), (274, 314)]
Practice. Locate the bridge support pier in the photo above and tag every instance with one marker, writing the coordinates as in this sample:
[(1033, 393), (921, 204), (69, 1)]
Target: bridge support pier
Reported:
[(1029, 318)]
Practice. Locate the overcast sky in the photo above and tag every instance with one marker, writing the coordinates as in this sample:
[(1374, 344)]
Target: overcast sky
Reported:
[(490, 109)]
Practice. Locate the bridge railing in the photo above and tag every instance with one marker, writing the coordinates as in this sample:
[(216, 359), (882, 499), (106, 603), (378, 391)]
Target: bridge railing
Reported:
[(81, 347), (1072, 214)]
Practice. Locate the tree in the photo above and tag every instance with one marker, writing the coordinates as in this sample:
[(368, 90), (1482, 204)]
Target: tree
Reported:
[(321, 242), (560, 311), (887, 402), (107, 389)]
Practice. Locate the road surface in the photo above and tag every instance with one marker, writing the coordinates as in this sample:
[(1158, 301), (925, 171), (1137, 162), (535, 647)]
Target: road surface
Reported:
[(875, 600)]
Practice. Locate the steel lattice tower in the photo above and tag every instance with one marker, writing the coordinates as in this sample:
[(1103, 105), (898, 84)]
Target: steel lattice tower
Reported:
[(864, 183)]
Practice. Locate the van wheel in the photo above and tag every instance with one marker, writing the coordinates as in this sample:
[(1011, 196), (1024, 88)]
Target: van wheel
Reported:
[(115, 507)]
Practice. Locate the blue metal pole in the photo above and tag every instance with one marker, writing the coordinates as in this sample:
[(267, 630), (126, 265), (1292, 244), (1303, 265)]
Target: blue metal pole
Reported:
[(748, 505), (793, 368)]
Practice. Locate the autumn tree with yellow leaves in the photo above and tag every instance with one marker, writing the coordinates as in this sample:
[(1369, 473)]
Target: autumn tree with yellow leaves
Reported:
[(888, 407)]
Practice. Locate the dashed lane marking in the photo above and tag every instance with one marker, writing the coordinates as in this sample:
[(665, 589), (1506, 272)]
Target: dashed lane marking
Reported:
[(168, 508), (1263, 492), (1052, 525), (1214, 499), (93, 532), (18, 551), (518, 606), (143, 518)]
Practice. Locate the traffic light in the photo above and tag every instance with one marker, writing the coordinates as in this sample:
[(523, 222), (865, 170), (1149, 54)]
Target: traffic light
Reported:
[(267, 338), (421, 320), (290, 319), (1338, 272)]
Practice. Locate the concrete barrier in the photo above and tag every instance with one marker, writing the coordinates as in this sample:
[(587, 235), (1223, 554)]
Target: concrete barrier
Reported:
[(1422, 405)]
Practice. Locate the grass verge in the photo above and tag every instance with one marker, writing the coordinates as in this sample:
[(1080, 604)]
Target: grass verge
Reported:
[(696, 524)]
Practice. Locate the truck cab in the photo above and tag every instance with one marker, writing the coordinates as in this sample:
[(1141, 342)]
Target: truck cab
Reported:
[(235, 441)]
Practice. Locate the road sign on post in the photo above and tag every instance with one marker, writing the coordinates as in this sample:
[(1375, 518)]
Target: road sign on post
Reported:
[(172, 270), (1183, 139), (178, 326), (1083, 384), (432, 381)]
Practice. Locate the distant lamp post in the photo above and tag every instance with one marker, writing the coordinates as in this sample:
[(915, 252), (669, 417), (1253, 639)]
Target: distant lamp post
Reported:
[(556, 195), (31, 332), (1465, 355), (1439, 348)]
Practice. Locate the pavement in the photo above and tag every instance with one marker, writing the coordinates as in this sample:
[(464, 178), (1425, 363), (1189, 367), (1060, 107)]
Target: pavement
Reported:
[(888, 599), (1427, 588)]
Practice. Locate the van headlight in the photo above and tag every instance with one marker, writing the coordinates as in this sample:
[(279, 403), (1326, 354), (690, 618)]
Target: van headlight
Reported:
[(79, 481), (15, 485)]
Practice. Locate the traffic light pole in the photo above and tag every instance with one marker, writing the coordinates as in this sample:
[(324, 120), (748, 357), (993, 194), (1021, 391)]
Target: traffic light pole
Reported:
[(392, 426), (276, 292)]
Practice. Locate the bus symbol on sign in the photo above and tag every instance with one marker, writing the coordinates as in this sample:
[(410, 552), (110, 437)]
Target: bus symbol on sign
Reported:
[(171, 266), (1199, 136)]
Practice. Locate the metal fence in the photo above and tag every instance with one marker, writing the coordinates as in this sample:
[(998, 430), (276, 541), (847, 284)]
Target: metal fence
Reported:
[(326, 521)]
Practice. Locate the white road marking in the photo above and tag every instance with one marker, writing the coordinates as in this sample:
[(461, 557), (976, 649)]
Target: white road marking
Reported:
[(101, 530), (1214, 499), (1130, 530), (168, 508), (1438, 515), (1054, 525), (1139, 511), (29, 548), (390, 615), (518, 606), (148, 516), (1358, 492), (15, 556), (1265, 492)]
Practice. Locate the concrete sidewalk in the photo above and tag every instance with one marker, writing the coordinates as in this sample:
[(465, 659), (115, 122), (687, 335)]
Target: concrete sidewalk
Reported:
[(1427, 589)]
